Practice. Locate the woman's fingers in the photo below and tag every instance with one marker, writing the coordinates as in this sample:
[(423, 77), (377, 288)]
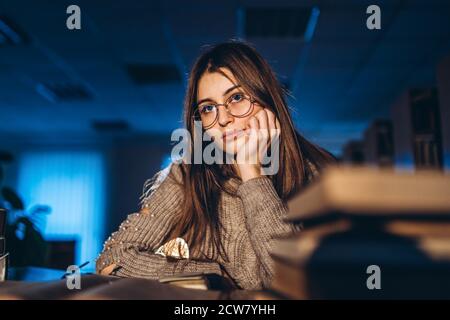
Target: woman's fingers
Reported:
[(277, 128), (246, 151), (108, 270), (262, 129), (273, 126), (252, 124), (263, 132), (270, 119), (261, 116)]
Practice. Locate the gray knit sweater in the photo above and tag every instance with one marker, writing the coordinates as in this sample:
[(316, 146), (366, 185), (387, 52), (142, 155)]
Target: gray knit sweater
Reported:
[(251, 219)]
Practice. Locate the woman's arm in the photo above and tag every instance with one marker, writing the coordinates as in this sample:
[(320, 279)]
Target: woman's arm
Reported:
[(130, 250), (263, 211), (130, 261)]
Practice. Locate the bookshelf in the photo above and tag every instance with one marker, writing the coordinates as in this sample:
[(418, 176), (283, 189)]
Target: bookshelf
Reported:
[(353, 152), (379, 143), (417, 129)]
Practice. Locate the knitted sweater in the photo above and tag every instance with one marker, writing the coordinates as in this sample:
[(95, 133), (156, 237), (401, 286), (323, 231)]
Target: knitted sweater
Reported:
[(251, 218)]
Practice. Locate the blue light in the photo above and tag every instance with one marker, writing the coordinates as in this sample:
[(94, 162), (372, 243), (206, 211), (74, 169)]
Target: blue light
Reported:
[(240, 19), (447, 162), (72, 184), (304, 52), (166, 161), (312, 23)]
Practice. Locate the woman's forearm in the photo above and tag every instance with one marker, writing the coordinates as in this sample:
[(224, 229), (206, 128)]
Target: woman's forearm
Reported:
[(130, 261), (147, 229), (264, 212)]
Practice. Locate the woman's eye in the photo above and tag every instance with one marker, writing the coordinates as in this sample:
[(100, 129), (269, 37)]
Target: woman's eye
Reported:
[(207, 108), (237, 97)]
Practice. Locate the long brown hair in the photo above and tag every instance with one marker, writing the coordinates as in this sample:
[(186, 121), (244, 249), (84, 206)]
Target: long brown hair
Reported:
[(203, 183)]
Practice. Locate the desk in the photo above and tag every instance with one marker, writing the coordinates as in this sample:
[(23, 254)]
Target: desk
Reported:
[(40, 283)]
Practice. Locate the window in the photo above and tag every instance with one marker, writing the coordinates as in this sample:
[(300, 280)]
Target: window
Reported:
[(72, 184)]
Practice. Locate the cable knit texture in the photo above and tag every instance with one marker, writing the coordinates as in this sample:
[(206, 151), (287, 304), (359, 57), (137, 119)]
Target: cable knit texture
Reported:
[(252, 217)]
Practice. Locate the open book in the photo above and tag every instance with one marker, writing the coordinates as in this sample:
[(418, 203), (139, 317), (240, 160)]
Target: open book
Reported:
[(199, 280)]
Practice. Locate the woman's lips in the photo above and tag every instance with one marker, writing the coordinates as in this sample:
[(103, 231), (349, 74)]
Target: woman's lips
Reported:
[(232, 134)]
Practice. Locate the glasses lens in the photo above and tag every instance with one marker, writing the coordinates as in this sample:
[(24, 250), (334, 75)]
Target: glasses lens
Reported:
[(239, 104), (207, 114)]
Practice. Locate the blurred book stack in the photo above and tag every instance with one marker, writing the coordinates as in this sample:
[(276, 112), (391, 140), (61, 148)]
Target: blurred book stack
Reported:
[(368, 234), (3, 254)]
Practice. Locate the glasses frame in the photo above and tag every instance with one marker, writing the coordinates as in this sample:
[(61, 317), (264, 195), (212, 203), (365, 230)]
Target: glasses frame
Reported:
[(225, 104)]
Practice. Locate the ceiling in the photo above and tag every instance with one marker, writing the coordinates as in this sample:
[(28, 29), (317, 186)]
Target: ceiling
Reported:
[(342, 78)]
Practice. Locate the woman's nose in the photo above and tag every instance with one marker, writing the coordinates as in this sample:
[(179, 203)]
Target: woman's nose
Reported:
[(224, 117)]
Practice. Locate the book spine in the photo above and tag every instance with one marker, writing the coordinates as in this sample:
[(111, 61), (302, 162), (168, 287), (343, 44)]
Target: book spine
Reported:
[(3, 267)]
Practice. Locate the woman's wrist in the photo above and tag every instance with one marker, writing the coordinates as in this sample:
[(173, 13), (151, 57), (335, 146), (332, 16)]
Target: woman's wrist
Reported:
[(249, 171)]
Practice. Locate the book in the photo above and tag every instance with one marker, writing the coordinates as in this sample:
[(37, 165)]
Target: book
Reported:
[(3, 254), (366, 191), (199, 281), (332, 263), (3, 267), (432, 239), (143, 289), (356, 218)]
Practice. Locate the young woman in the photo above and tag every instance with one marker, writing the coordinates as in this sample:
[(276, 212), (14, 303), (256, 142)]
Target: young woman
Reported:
[(220, 217)]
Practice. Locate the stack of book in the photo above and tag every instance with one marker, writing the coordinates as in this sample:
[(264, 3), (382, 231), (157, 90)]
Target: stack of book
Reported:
[(3, 254), (368, 233)]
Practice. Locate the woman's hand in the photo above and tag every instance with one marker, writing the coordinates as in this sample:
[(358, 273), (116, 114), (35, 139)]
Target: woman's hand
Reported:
[(262, 129), (107, 271)]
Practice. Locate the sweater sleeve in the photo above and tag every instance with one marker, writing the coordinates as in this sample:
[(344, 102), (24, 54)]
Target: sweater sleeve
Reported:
[(264, 212), (132, 247)]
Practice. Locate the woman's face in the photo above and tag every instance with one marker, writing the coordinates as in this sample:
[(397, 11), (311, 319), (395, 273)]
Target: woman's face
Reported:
[(227, 130)]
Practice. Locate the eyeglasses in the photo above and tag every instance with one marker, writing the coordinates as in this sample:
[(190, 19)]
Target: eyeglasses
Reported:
[(239, 105)]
